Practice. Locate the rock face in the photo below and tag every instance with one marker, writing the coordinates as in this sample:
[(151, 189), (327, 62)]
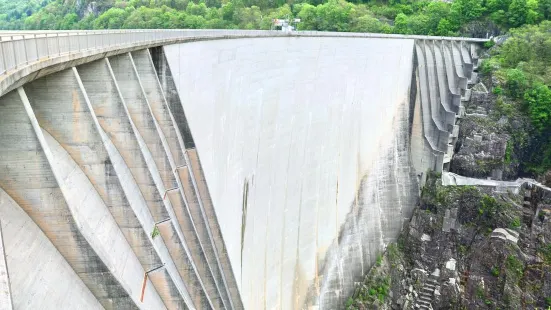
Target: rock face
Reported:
[(466, 248), (484, 148)]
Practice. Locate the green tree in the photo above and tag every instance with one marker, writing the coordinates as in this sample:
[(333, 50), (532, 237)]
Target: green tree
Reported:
[(516, 82), (368, 23), (538, 100), (111, 19), (69, 21), (463, 11), (444, 28), (401, 24), (436, 11), (544, 8), (308, 17), (518, 11)]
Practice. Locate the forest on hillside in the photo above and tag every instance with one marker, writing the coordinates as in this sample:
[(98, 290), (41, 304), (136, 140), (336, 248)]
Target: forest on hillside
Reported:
[(460, 17)]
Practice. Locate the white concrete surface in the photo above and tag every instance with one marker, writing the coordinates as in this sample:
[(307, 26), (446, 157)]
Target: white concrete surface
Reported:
[(41, 278), (303, 121), (5, 289), (94, 220)]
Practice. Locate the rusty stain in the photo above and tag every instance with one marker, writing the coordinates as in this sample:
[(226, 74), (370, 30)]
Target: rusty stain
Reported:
[(77, 134)]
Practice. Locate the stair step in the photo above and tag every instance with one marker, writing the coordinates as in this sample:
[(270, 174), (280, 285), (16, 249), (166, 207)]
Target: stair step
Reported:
[(428, 289), (425, 297), (425, 293), (423, 302)]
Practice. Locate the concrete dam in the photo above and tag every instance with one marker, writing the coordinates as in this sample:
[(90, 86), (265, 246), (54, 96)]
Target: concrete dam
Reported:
[(186, 169)]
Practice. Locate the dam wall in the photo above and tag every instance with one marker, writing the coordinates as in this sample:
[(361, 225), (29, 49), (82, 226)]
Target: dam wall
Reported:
[(265, 172), (302, 140)]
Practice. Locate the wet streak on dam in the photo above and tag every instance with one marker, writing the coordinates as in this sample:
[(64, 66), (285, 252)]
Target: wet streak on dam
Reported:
[(246, 173)]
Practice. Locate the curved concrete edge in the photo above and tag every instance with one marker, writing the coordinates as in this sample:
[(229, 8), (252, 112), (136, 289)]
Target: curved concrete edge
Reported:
[(42, 67), (140, 209), (33, 256), (437, 138), (450, 71), (443, 118), (460, 70), (94, 222), (189, 277), (29, 72), (446, 97)]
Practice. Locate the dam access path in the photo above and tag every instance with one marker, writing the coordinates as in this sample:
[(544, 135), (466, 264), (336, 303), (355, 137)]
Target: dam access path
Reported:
[(214, 169)]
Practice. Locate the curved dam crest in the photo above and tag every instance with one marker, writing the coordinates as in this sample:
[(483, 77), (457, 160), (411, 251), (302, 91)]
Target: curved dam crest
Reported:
[(247, 173)]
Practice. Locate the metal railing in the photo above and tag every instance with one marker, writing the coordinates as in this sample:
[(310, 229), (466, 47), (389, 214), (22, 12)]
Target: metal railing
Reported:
[(19, 49)]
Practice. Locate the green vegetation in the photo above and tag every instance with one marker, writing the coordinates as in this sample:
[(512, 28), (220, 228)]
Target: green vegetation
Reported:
[(470, 17), (495, 271), (155, 232), (377, 285), (379, 289), (514, 268), (515, 223), (522, 66), (545, 251)]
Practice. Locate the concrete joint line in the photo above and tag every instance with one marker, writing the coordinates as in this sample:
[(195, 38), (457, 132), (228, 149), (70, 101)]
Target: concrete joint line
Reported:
[(186, 203), (50, 158), (163, 221), (158, 181), (146, 217), (178, 134)]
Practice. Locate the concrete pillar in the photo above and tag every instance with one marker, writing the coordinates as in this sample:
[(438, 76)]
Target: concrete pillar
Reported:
[(30, 181), (83, 170), (151, 252), (444, 116), (160, 163), (40, 277)]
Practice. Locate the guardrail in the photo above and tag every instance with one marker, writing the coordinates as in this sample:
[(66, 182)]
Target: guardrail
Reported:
[(19, 49)]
